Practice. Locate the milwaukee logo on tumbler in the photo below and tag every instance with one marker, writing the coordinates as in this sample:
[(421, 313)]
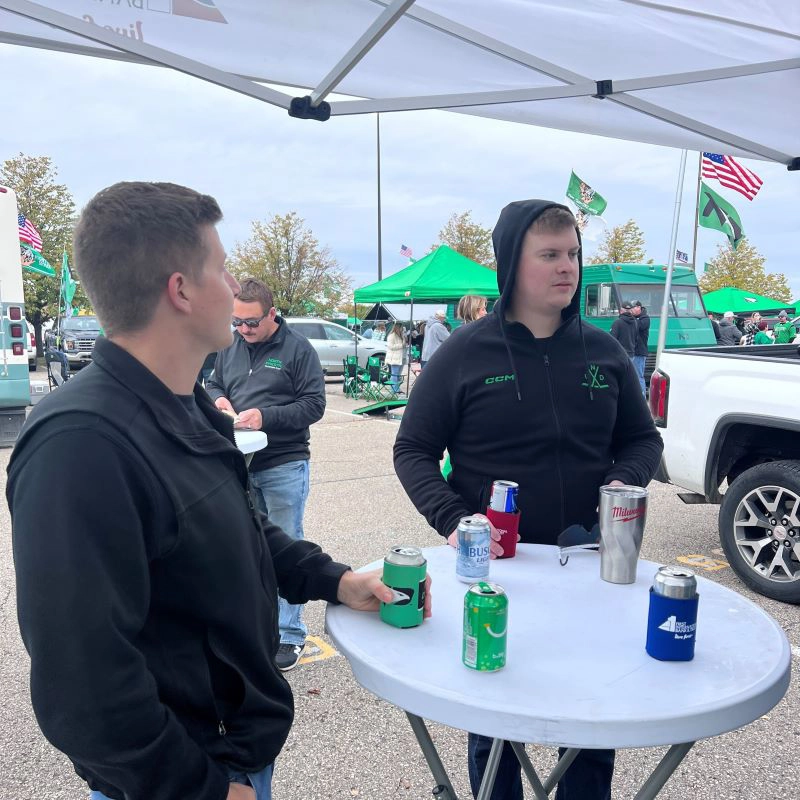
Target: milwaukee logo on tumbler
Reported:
[(627, 514)]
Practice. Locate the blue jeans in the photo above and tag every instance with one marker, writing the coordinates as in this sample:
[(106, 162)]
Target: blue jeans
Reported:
[(638, 362), (260, 781), (282, 492), (588, 777), (397, 370)]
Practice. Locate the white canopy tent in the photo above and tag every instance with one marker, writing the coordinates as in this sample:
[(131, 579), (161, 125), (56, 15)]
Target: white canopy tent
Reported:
[(716, 75)]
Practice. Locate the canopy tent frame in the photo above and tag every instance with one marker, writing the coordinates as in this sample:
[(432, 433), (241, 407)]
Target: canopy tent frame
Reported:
[(314, 106)]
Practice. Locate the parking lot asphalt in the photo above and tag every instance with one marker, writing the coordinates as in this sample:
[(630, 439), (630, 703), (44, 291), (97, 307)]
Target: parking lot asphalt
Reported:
[(345, 742)]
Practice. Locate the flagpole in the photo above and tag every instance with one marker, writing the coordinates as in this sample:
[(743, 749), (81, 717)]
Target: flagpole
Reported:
[(696, 213), (662, 328), (378, 148)]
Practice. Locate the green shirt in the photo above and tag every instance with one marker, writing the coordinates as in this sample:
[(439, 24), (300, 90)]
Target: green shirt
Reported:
[(784, 332), (762, 338)]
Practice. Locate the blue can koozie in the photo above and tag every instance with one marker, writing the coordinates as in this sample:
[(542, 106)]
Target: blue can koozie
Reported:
[(672, 618)]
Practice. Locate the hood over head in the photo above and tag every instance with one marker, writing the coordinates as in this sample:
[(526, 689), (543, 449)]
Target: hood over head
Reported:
[(507, 237)]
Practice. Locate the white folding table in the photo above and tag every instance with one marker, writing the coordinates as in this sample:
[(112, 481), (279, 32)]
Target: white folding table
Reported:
[(577, 674)]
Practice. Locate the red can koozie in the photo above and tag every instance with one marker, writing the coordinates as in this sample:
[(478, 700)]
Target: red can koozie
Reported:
[(507, 524)]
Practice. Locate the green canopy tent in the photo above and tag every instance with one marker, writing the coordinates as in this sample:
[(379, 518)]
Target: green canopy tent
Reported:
[(741, 302), (442, 276)]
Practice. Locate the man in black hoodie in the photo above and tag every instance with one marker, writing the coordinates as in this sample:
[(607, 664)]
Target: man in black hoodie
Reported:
[(624, 329), (148, 606), (529, 394), (642, 346)]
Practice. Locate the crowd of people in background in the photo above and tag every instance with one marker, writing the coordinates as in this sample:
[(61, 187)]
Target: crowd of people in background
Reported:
[(731, 330)]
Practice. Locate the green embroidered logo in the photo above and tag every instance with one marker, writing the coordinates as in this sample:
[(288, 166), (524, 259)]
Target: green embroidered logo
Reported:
[(273, 363), (500, 379), (594, 379)]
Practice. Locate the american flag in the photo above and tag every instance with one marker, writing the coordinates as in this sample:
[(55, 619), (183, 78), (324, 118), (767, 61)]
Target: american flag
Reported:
[(29, 234), (731, 173), (405, 251), (681, 256)]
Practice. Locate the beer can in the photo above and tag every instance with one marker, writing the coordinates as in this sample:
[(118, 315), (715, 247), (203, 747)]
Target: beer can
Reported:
[(404, 570), (504, 497), (485, 627), (473, 540), (672, 616)]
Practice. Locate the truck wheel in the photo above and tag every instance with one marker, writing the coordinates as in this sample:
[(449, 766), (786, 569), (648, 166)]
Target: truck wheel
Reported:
[(759, 527)]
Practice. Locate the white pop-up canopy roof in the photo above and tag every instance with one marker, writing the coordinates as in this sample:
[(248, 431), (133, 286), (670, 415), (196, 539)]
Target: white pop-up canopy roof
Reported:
[(714, 75)]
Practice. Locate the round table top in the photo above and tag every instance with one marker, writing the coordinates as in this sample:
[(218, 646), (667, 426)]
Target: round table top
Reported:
[(577, 674), (250, 441)]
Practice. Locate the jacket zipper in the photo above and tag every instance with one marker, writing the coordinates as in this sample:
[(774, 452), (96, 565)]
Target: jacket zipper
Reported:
[(559, 433)]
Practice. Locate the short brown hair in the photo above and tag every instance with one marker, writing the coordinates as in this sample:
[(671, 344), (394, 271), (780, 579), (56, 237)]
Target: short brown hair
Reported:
[(554, 218), (469, 306), (130, 238), (255, 291)]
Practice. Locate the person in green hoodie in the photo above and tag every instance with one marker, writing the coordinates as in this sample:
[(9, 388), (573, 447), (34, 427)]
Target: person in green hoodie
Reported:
[(528, 394)]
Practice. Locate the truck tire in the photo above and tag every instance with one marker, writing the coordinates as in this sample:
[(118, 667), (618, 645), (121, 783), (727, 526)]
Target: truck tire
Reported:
[(759, 527)]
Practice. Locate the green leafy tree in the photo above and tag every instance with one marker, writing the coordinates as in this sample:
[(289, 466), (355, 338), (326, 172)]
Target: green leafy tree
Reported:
[(622, 244), (304, 278), (469, 238), (743, 268), (50, 207)]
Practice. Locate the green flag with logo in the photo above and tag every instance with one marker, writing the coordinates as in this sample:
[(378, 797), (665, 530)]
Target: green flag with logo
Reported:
[(586, 198), (68, 286), (33, 261), (718, 214)]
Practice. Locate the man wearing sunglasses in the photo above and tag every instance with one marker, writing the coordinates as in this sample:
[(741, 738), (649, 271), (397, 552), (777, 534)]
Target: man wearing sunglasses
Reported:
[(271, 378)]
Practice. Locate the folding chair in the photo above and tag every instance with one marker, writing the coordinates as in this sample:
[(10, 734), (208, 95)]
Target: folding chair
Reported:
[(355, 378), (380, 384)]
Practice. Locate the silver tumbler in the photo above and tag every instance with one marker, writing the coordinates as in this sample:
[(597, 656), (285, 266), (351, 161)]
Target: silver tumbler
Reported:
[(623, 511)]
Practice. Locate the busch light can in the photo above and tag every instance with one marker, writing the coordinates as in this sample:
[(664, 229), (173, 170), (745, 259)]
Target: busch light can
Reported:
[(472, 559), (404, 570), (672, 618), (485, 627), (504, 497)]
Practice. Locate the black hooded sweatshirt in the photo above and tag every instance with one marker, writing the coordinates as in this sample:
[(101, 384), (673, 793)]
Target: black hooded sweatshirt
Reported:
[(624, 330), (561, 416)]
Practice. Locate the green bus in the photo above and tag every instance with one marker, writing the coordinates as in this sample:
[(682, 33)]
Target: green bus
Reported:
[(605, 287)]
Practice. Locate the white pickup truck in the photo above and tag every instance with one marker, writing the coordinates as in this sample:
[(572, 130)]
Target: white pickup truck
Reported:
[(730, 419)]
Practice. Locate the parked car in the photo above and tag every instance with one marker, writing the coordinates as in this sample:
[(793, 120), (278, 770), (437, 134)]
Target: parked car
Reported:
[(78, 335), (334, 342), (730, 422), (31, 347)]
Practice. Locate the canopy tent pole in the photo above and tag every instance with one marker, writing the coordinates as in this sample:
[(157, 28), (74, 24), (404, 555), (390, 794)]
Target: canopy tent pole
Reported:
[(378, 148), (696, 213), (411, 328), (662, 329)]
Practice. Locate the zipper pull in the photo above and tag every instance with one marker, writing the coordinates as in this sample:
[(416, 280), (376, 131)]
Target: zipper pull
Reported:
[(250, 373), (546, 360), (221, 728)]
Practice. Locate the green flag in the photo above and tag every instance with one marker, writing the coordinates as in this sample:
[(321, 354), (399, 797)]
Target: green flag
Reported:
[(718, 214), (586, 198), (68, 286), (34, 261)]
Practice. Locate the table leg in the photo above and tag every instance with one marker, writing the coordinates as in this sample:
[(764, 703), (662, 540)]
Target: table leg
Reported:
[(490, 773), (444, 789), (661, 774), (540, 793), (560, 768)]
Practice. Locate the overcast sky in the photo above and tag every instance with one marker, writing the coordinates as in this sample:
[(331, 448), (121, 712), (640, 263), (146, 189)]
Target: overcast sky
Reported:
[(102, 122)]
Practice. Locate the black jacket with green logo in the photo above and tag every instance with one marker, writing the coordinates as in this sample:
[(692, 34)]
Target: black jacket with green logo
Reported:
[(560, 416), (281, 377)]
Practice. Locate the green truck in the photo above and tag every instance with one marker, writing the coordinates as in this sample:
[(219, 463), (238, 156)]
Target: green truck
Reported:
[(606, 287)]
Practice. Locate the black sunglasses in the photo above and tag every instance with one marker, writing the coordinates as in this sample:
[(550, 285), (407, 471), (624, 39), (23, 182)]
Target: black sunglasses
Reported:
[(251, 323)]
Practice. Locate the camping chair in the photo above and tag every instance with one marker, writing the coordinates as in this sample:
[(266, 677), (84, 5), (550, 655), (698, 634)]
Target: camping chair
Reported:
[(380, 380), (355, 378), (56, 368)]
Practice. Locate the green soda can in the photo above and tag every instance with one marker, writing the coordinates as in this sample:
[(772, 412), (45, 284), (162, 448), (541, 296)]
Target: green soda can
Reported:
[(404, 571), (485, 625)]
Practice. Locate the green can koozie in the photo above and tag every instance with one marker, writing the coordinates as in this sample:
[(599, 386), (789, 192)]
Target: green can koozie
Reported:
[(404, 570)]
